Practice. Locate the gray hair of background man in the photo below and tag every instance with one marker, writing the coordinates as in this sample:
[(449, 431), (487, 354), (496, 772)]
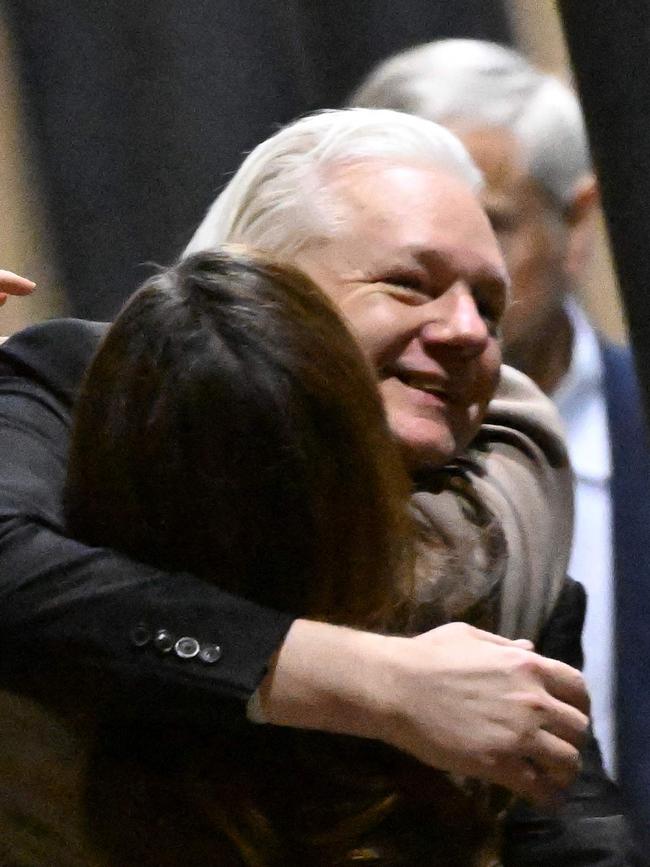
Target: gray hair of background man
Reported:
[(469, 83), (279, 199)]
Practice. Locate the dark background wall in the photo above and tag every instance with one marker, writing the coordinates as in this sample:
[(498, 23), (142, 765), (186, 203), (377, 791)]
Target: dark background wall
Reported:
[(141, 108)]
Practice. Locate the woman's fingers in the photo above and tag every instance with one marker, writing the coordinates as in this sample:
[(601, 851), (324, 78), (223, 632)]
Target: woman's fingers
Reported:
[(558, 761), (566, 684), (525, 779)]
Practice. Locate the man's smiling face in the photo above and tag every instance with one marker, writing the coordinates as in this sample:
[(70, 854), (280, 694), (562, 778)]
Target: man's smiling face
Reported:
[(417, 272)]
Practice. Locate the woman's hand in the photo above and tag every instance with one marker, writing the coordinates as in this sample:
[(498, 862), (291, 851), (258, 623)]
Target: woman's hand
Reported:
[(495, 710), (457, 698)]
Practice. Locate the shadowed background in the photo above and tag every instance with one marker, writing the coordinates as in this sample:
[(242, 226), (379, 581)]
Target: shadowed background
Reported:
[(121, 121)]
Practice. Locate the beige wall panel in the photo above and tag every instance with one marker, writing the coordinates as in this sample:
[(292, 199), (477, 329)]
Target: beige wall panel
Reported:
[(24, 244)]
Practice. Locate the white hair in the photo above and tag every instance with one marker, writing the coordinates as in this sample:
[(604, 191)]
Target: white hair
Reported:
[(281, 199), (473, 83)]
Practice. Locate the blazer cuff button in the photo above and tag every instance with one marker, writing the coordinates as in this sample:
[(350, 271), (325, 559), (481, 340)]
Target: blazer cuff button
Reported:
[(140, 635), (164, 640), (187, 648), (210, 653)]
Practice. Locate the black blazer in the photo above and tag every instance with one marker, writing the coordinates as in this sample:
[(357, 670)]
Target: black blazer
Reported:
[(84, 619), (91, 611)]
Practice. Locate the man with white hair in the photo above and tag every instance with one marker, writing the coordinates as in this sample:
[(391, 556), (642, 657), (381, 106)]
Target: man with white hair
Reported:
[(525, 130), (381, 210)]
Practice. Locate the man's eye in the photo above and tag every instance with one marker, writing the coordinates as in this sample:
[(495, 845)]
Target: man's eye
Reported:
[(407, 281), (491, 315), (408, 288)]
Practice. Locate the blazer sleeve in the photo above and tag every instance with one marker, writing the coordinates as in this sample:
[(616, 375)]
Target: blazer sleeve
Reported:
[(588, 827), (88, 620)]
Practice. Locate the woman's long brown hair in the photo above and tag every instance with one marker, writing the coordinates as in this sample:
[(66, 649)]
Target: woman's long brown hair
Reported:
[(230, 427)]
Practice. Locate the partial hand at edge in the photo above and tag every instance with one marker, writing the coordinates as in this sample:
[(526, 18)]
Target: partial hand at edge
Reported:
[(12, 284)]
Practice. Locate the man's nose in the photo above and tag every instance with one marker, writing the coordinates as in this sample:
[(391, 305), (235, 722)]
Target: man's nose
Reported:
[(454, 320)]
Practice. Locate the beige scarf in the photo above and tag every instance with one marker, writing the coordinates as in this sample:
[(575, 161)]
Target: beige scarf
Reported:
[(504, 510)]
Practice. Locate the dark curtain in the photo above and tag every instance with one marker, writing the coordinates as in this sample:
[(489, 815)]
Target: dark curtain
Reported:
[(609, 41), (142, 108)]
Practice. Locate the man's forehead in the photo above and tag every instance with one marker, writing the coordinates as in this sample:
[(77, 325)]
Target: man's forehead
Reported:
[(391, 193), (414, 210), (381, 175)]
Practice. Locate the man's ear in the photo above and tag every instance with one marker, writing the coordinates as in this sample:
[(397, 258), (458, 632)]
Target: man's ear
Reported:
[(580, 219)]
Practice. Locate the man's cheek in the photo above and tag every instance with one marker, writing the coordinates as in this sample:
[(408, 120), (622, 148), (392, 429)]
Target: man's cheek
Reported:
[(484, 391), (492, 367), (373, 326)]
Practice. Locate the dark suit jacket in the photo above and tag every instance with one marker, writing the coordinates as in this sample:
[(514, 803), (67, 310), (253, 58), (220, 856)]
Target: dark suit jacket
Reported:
[(86, 624), (630, 490), (71, 616)]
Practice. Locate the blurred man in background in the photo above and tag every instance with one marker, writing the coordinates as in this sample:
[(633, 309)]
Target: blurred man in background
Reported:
[(525, 130)]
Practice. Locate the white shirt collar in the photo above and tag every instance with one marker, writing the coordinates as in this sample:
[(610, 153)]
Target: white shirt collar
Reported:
[(581, 402)]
